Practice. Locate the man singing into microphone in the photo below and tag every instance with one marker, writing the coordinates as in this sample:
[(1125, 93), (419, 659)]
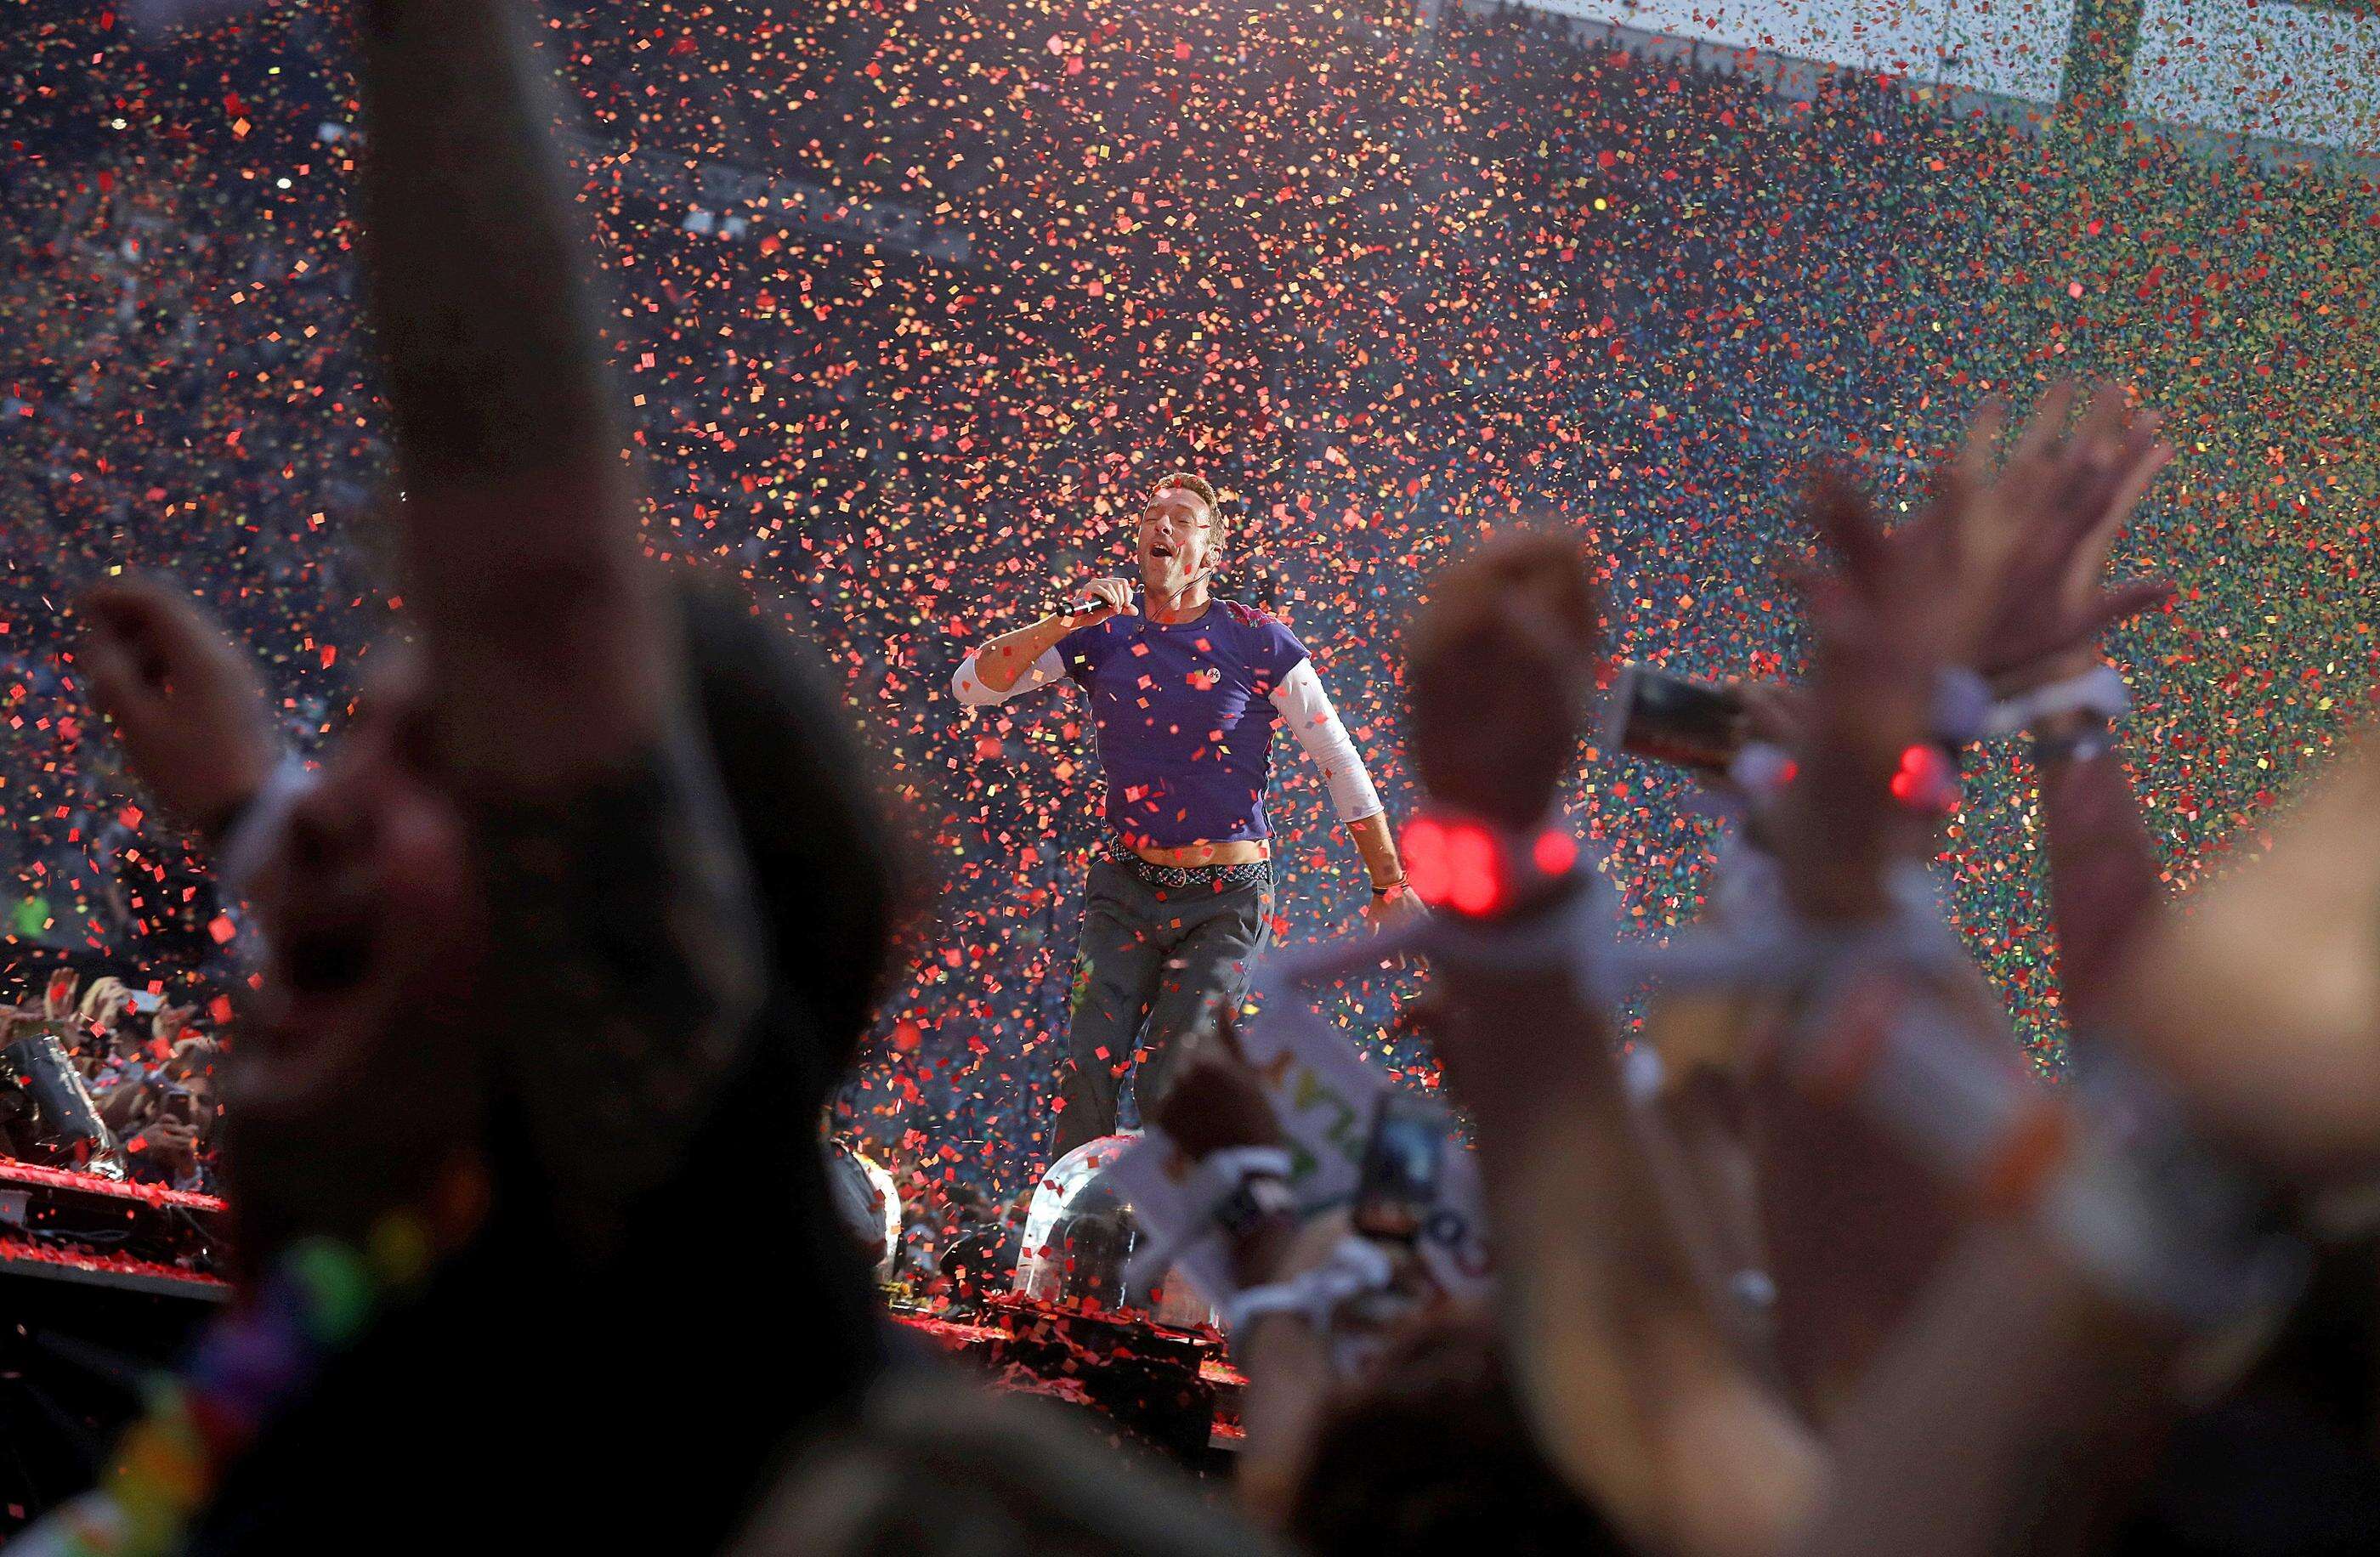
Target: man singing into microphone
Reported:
[(1185, 692)]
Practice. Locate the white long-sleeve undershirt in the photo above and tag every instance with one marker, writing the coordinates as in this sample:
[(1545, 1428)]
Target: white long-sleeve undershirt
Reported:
[(1306, 709), (967, 685)]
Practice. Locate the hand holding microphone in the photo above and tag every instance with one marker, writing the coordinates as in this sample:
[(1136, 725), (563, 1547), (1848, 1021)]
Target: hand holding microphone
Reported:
[(1101, 598)]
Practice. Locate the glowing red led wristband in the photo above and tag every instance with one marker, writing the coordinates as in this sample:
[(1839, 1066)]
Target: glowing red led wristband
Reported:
[(1927, 778), (1479, 869)]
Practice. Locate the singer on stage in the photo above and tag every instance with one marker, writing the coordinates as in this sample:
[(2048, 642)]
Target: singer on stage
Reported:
[(1184, 690)]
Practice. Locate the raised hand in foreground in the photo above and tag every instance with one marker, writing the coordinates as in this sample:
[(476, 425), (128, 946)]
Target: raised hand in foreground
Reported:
[(184, 701), (2012, 547), (1632, 1389)]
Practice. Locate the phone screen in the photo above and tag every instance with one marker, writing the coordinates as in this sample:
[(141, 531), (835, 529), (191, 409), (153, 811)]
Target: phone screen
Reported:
[(1402, 1161), (1672, 719)]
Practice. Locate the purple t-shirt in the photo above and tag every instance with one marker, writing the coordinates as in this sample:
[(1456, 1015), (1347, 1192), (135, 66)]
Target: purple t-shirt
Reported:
[(1184, 719)]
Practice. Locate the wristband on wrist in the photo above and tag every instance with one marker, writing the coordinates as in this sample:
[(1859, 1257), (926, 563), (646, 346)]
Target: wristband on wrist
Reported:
[(1390, 890), (2075, 737), (2099, 690), (1480, 868), (1961, 707), (1761, 769), (1961, 711), (2111, 1171), (1927, 778), (1356, 1268)]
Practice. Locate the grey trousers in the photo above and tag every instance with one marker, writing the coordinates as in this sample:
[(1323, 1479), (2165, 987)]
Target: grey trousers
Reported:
[(1168, 957)]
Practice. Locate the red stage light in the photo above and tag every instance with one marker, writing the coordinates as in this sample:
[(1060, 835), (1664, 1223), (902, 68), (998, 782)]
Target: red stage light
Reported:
[(1555, 852)]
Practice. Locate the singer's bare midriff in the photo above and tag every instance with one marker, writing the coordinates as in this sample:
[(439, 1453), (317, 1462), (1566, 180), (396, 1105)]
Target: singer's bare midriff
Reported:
[(1235, 851)]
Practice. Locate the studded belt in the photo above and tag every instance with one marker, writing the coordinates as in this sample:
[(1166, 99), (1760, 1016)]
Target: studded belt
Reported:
[(1175, 878)]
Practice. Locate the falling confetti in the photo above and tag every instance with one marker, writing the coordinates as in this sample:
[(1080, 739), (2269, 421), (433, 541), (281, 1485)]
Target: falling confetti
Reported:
[(913, 300)]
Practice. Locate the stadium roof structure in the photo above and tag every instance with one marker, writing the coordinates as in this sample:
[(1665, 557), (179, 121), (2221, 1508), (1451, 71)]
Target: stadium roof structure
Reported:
[(2281, 82)]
